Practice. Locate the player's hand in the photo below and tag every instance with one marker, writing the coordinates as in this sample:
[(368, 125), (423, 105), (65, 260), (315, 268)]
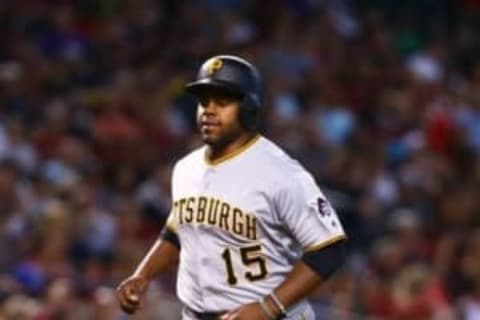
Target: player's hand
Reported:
[(251, 311), (130, 291)]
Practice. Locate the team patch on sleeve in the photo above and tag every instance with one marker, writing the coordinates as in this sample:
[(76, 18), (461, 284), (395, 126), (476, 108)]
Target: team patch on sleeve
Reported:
[(327, 214), (319, 227), (324, 208)]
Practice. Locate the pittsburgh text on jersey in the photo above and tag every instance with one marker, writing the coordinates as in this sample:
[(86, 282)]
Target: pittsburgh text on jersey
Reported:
[(215, 212)]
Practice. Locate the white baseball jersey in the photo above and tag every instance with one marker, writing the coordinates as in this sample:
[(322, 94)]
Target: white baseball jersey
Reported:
[(242, 222)]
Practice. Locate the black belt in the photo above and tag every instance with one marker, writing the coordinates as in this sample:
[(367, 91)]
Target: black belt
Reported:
[(204, 315)]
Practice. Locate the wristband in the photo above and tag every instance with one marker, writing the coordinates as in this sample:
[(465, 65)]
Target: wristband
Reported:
[(266, 309), (278, 303)]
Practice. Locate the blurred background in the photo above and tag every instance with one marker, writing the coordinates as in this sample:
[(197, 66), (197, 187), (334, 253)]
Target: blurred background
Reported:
[(380, 100)]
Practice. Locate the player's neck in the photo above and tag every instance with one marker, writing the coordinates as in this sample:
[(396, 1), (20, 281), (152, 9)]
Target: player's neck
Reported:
[(215, 152)]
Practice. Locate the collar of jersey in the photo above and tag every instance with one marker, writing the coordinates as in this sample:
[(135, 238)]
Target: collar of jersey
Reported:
[(234, 153)]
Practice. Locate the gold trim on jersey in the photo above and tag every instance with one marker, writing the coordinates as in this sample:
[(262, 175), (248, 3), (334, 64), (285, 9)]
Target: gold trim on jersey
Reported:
[(171, 224), (324, 243), (233, 153)]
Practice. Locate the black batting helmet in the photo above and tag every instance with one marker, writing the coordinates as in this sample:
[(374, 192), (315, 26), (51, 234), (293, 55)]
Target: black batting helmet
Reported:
[(235, 75)]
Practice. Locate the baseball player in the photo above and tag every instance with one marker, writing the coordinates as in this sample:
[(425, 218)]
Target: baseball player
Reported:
[(252, 232)]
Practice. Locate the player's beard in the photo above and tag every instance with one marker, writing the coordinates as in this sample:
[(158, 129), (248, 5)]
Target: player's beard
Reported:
[(221, 138)]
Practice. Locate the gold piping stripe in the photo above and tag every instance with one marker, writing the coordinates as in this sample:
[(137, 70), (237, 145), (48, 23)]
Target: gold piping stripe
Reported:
[(170, 226), (325, 243), (233, 153)]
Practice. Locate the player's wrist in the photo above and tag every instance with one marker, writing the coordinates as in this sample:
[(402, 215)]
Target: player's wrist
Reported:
[(274, 310), (278, 305), (267, 310)]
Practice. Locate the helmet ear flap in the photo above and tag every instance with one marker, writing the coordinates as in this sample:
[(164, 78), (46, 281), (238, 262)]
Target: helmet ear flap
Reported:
[(249, 112)]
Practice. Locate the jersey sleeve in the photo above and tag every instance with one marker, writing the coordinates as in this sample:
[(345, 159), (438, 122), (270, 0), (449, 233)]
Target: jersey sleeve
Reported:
[(169, 231), (307, 214), (171, 223)]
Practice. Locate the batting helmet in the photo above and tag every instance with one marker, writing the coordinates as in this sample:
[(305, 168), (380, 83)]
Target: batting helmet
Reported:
[(236, 75)]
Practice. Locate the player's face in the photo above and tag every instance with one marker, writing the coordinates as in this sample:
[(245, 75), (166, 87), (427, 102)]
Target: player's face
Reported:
[(217, 117)]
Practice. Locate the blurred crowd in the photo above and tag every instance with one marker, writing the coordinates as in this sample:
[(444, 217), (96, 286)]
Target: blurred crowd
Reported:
[(379, 99)]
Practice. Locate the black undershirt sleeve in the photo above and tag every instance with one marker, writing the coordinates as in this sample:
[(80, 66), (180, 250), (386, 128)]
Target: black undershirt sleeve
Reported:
[(169, 235), (327, 260)]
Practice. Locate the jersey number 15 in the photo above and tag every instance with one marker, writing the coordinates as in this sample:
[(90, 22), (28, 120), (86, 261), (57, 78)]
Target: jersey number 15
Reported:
[(251, 258)]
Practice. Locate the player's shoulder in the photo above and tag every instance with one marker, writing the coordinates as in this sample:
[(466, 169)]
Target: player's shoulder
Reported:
[(191, 159), (288, 175), (278, 162), (275, 155)]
